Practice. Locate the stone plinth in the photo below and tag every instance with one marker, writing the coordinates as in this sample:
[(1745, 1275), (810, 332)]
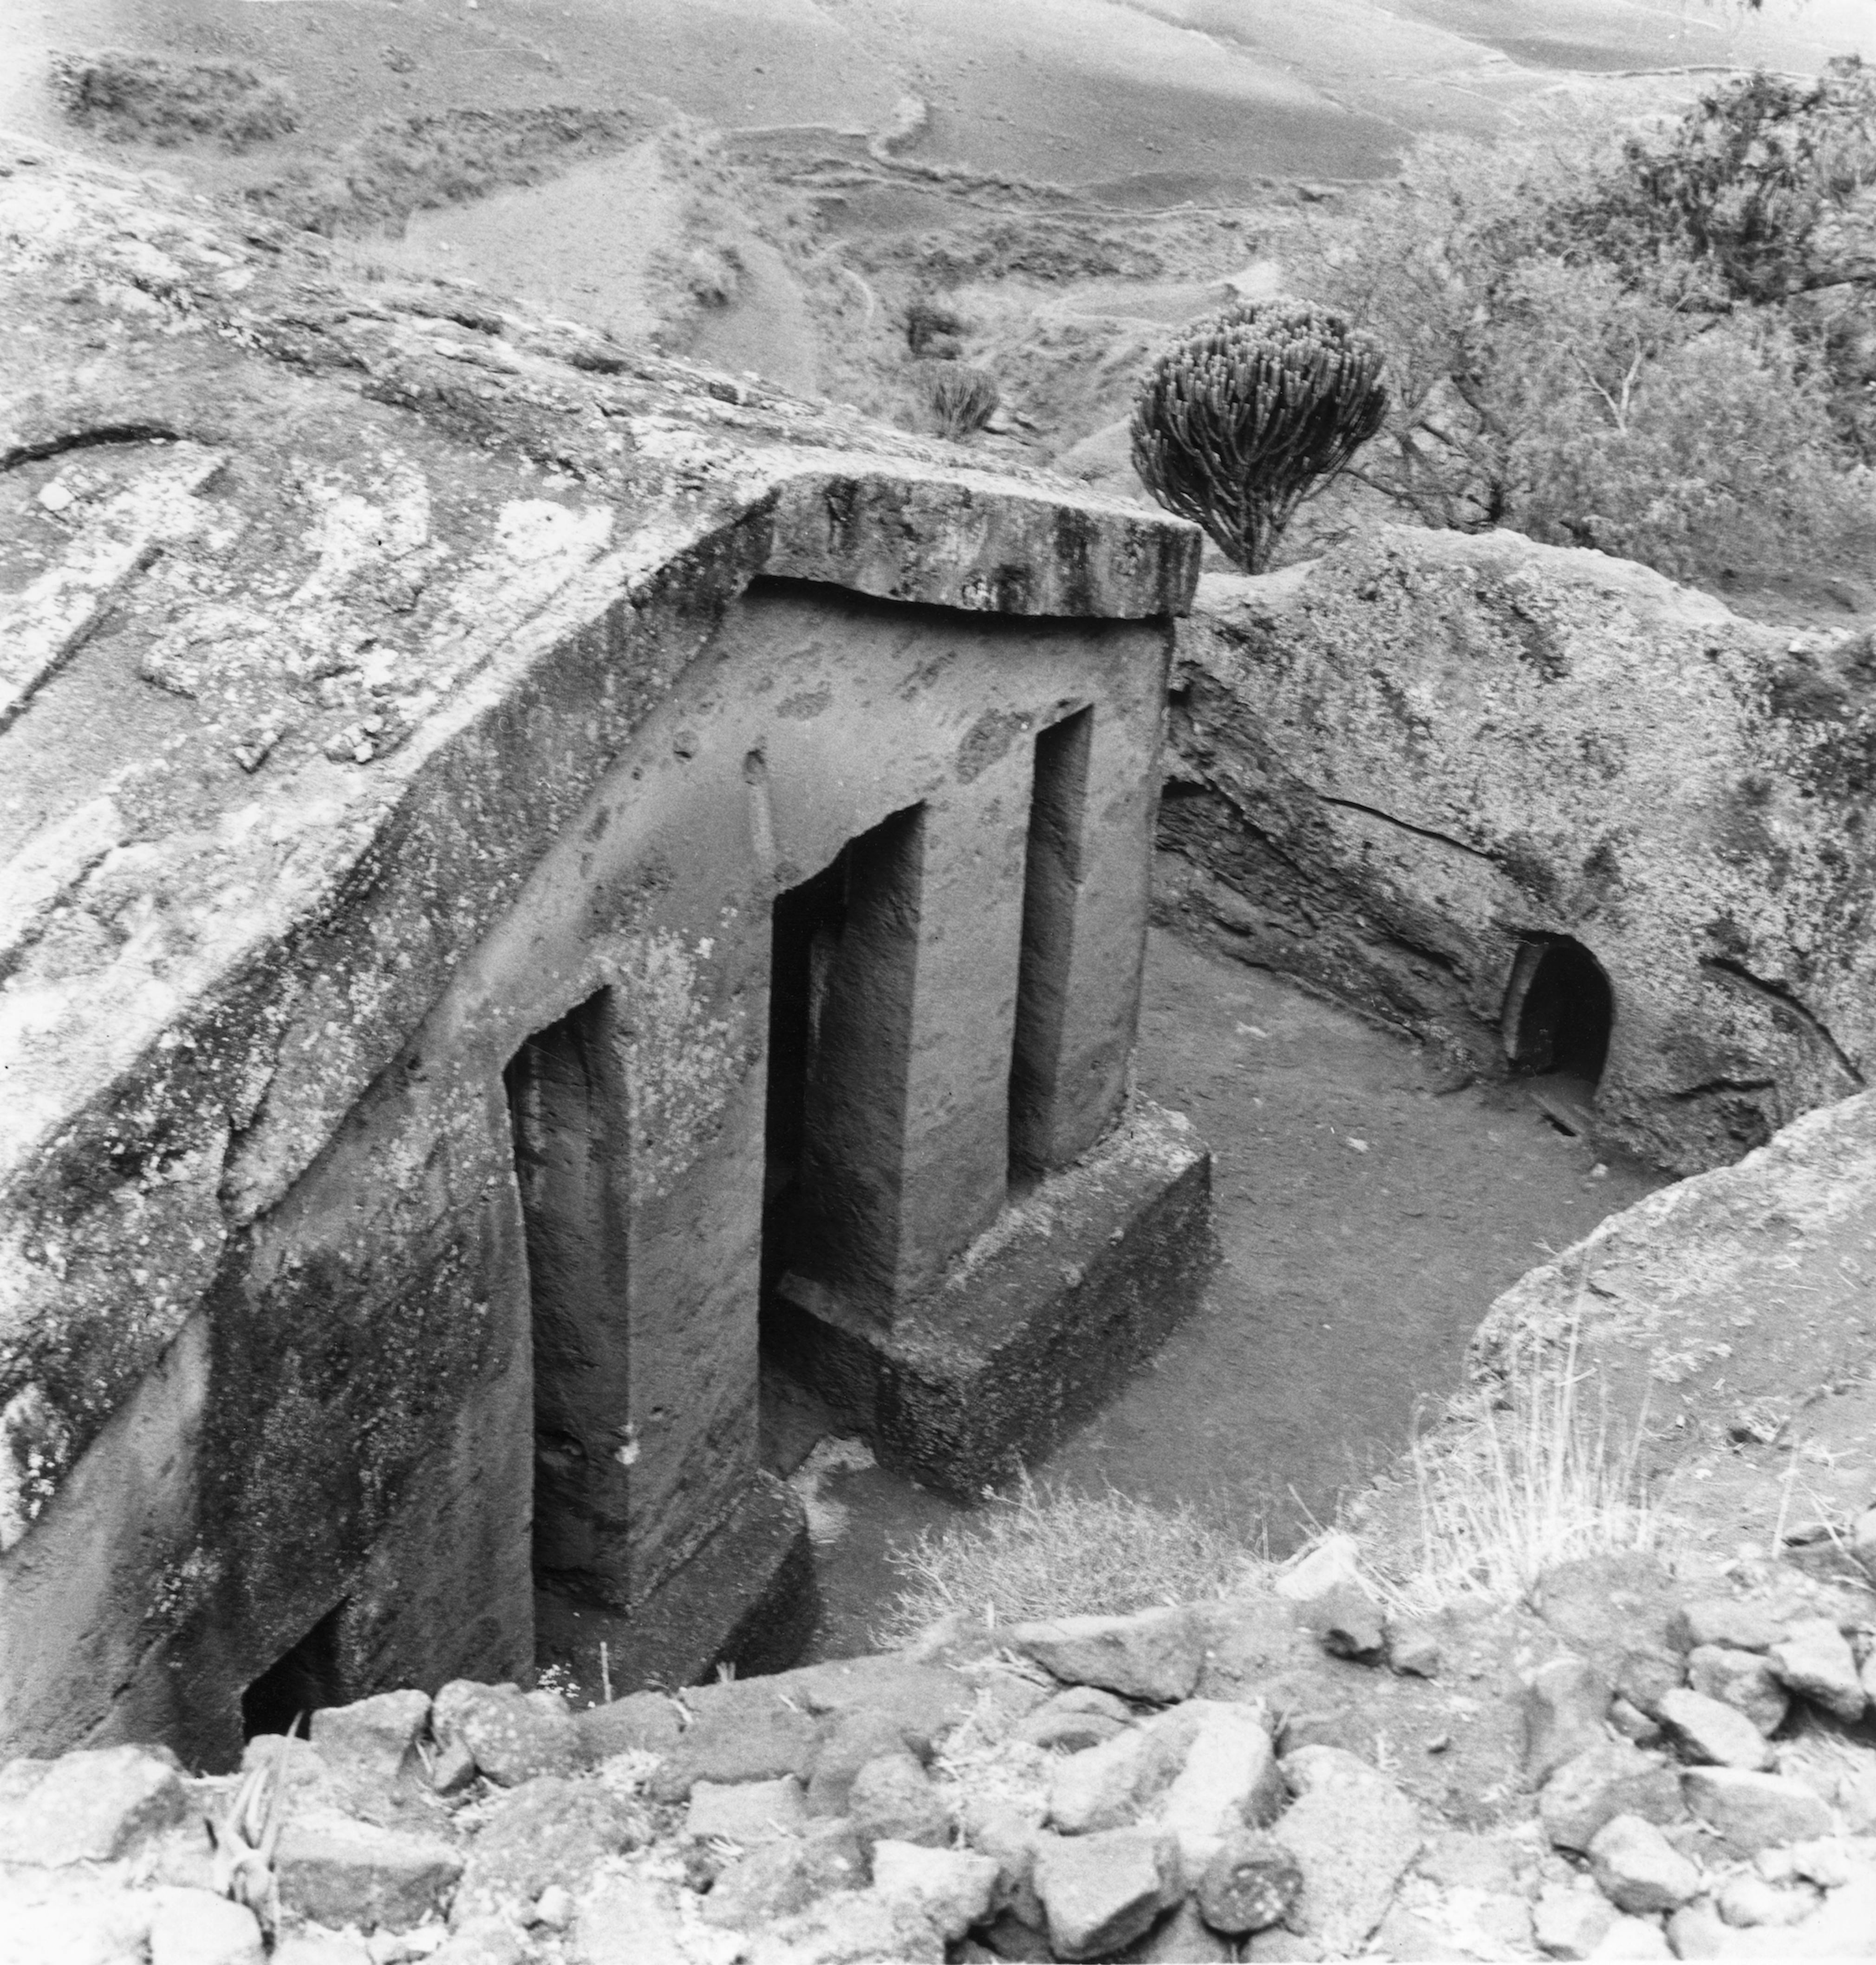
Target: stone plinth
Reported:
[(1033, 1327)]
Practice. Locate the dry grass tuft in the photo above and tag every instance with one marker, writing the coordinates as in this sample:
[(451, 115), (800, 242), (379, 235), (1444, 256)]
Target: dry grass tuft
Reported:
[(1051, 1552), (1538, 1481), (1542, 1477), (963, 399)]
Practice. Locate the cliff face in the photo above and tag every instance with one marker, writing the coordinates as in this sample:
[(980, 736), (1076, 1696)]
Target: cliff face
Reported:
[(1400, 765)]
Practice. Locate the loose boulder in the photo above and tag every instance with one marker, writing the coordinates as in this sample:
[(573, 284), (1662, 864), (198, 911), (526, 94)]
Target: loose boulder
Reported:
[(1565, 1702), (90, 1806), (861, 1927), (1251, 1882), (951, 1888), (893, 1801), (1615, 1778), (1754, 1811), (1345, 1620), (549, 1831), (779, 1879), (1155, 1654), (746, 1812), (1570, 1921), (1182, 1937), (1080, 1716), (1638, 1869), (1353, 1834), (372, 1740), (1814, 1660), (1748, 1902), (200, 1927), (1705, 1729), (1634, 1937), (1101, 1892), (629, 1920), (746, 1730), (514, 1735), (847, 1742), (1729, 1622), (1229, 1779), (1743, 1679), (644, 1722), (1107, 1786), (320, 1947), (334, 1869), (68, 1916), (1413, 1649)]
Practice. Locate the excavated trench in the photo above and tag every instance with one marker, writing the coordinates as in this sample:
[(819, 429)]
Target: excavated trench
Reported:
[(1367, 1214)]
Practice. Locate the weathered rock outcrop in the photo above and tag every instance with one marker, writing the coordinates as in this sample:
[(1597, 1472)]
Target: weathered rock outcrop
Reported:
[(1401, 763), (1725, 1302), (382, 526), (395, 686)]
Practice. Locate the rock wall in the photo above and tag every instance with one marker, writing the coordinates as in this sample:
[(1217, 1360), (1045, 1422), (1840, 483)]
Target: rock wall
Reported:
[(1398, 764)]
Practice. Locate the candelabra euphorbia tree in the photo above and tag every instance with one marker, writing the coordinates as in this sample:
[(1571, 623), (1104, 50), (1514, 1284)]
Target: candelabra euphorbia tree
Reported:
[(1250, 411)]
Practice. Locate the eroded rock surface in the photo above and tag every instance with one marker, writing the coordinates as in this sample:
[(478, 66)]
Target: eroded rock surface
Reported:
[(1401, 762)]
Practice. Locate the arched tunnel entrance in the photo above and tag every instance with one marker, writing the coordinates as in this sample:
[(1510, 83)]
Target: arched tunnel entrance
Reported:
[(1559, 1011)]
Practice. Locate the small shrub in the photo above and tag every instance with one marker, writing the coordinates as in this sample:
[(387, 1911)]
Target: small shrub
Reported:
[(1573, 346), (929, 324), (132, 98), (963, 399), (1428, 266), (1695, 448), (1051, 1552), (1764, 179), (1235, 424), (714, 274)]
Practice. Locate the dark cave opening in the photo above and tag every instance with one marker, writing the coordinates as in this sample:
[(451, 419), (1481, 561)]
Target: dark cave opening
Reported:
[(1559, 1011), (300, 1681)]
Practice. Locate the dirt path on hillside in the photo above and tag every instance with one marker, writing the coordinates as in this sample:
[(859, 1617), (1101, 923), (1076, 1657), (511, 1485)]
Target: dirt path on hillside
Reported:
[(1365, 1222)]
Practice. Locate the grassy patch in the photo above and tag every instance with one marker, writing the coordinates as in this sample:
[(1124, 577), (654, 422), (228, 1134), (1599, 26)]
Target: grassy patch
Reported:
[(1049, 1553), (1537, 1479), (142, 98), (1519, 1480), (413, 163)]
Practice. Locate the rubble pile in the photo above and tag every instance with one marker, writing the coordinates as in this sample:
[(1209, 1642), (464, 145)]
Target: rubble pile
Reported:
[(1685, 1775)]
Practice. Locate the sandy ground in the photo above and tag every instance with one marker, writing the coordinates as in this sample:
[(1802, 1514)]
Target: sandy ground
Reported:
[(1365, 1221)]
